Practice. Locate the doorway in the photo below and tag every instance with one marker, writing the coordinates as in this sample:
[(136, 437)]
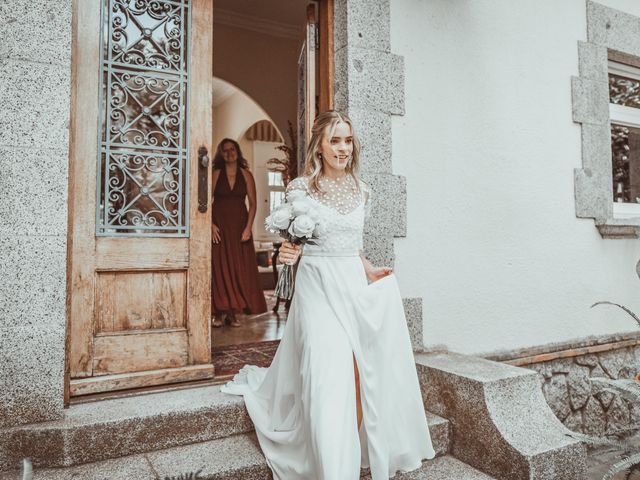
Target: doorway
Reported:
[(143, 136), (272, 74)]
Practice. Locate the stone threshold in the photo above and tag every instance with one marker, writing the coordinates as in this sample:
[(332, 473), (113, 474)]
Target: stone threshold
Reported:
[(569, 349), (113, 428)]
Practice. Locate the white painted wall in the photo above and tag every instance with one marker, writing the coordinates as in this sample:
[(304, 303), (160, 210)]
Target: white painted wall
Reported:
[(488, 147), (262, 153), (234, 116)]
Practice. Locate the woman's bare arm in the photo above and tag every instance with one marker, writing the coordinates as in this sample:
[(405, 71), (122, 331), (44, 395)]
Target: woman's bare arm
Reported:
[(374, 273), (251, 195), (215, 230)]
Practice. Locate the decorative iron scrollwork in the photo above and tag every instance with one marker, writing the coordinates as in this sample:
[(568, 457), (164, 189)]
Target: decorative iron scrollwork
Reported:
[(143, 164)]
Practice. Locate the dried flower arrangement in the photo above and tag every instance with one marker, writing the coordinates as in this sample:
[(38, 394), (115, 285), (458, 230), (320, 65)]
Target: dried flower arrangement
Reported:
[(288, 166)]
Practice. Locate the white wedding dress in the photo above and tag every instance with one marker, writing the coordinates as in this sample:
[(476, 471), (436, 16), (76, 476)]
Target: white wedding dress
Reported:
[(304, 405)]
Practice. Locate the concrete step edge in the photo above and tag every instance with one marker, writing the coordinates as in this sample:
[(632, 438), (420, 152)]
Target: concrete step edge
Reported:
[(236, 457), (120, 427)]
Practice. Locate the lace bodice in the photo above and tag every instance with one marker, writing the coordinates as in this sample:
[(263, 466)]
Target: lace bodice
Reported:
[(342, 208)]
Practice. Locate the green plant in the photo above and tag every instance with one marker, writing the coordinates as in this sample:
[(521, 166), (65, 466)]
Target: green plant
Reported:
[(186, 476)]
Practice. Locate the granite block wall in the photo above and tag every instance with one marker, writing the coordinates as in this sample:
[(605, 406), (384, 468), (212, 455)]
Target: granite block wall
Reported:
[(35, 70), (584, 406), (369, 87)]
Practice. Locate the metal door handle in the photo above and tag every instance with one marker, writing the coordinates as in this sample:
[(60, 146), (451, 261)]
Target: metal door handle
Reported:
[(203, 178)]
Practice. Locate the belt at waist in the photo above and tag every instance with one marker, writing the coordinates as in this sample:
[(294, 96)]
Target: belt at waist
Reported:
[(328, 253)]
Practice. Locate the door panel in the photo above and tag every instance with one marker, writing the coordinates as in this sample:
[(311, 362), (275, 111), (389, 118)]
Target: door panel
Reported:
[(307, 85), (140, 300), (139, 248), (136, 351)]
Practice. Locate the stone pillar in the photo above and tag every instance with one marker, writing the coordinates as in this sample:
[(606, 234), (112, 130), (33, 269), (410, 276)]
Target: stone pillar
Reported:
[(369, 87), (35, 69)]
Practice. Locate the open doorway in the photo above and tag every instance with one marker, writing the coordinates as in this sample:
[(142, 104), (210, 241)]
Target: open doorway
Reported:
[(272, 73)]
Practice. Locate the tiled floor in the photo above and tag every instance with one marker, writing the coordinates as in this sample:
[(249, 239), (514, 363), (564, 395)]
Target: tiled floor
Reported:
[(255, 328), (255, 342)]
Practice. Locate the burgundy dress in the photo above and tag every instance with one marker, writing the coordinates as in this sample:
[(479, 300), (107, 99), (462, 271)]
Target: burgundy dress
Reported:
[(235, 284)]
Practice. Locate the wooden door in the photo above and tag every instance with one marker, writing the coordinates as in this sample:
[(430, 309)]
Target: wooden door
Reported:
[(315, 72), (140, 242), (307, 85)]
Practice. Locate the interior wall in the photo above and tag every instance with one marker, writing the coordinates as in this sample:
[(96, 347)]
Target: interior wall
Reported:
[(488, 148), (264, 66), (234, 116), (231, 119)]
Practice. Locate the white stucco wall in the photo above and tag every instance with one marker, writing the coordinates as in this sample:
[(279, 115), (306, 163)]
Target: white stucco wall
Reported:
[(488, 147)]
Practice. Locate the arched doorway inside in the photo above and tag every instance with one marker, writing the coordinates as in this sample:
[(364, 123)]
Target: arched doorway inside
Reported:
[(239, 117)]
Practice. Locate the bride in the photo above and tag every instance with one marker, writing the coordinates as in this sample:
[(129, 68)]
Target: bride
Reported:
[(342, 391)]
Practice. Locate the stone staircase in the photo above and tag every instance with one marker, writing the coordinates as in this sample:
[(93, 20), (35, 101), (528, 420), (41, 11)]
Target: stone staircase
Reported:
[(200, 429)]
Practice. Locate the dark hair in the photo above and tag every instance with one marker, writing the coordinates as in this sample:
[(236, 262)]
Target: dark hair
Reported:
[(218, 160)]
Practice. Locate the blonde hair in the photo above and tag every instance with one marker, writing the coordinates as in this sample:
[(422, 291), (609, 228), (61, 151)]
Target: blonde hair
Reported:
[(327, 122)]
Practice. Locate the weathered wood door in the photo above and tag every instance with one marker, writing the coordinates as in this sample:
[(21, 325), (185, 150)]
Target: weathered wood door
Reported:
[(139, 243), (307, 85), (315, 72)]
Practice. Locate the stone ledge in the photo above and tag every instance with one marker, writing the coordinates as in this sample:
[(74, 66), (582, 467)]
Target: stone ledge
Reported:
[(560, 347), (500, 421), (628, 228)]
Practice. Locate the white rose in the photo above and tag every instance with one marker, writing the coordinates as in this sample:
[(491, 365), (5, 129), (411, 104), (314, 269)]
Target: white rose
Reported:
[(279, 218), (319, 231), (300, 206), (294, 195), (302, 226)]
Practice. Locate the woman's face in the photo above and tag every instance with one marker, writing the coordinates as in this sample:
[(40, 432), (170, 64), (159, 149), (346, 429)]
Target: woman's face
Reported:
[(229, 153), (337, 150)]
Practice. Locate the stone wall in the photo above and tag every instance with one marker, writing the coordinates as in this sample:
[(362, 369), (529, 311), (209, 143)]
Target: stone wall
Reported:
[(35, 69), (583, 406), (369, 87)]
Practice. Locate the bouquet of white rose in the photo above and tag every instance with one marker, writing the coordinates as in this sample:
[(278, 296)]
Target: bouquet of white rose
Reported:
[(297, 221)]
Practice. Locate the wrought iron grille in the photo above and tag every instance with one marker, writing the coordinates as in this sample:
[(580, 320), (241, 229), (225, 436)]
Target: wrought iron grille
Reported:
[(143, 167)]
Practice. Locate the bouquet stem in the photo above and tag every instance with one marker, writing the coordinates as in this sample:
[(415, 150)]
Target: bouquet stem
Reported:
[(284, 287)]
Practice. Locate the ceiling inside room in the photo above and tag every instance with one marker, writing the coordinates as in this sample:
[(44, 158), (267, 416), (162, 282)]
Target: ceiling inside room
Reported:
[(291, 12)]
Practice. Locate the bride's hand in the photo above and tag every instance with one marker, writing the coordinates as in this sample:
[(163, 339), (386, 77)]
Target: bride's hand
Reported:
[(289, 253), (376, 273)]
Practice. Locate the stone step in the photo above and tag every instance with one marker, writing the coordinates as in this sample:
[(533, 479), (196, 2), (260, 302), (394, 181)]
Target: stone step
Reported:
[(236, 457), (109, 429)]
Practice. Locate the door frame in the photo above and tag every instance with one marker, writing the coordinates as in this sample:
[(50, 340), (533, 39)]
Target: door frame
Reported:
[(325, 60), (85, 56)]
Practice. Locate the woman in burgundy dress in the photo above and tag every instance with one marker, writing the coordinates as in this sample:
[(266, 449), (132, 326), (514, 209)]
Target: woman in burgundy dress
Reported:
[(235, 284)]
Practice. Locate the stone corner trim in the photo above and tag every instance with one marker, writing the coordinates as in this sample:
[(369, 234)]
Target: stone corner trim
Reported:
[(607, 30), (369, 85), (501, 422)]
